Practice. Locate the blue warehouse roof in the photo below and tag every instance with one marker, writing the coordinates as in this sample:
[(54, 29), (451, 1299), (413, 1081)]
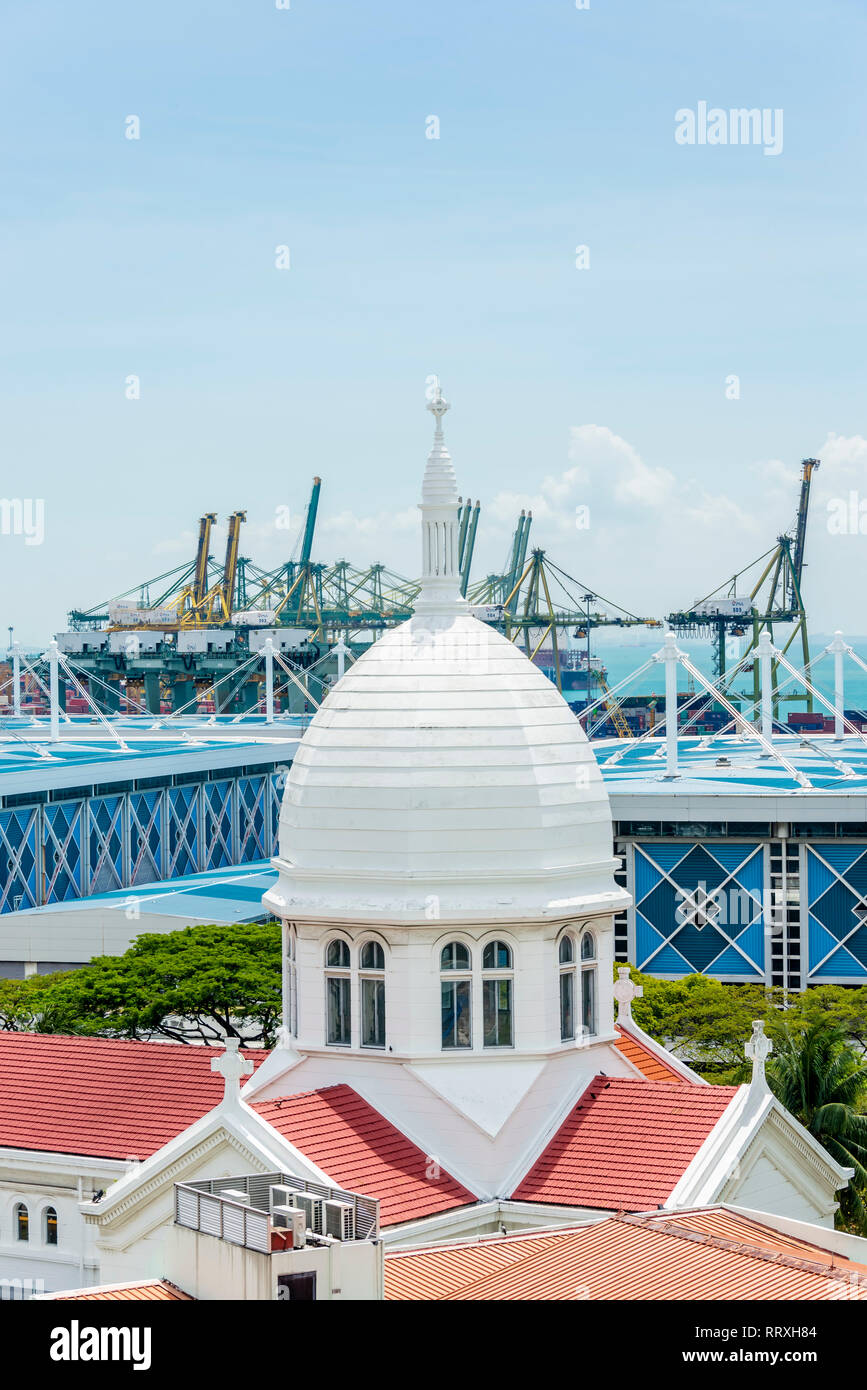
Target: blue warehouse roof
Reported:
[(29, 762), (222, 895), (713, 771)]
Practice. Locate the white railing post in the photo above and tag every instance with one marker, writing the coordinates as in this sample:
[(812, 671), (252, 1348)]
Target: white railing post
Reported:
[(838, 647), (54, 690), (16, 678), (765, 650), (269, 681), (671, 657), (340, 649)]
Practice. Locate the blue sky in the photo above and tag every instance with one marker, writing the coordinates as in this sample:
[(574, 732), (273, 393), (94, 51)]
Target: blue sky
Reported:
[(306, 127)]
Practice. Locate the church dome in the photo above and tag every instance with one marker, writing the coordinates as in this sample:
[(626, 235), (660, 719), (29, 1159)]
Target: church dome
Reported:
[(444, 776)]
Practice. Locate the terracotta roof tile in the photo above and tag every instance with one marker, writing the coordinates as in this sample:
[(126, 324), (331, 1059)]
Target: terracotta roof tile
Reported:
[(625, 1144), (103, 1097), (648, 1063), (363, 1152), (672, 1258)]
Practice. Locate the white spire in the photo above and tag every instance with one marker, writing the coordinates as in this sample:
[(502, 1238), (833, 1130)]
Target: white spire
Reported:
[(440, 579)]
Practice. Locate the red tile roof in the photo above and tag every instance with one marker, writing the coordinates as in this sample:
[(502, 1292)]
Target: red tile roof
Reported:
[(668, 1257), (363, 1152), (648, 1063), (625, 1144), (102, 1097)]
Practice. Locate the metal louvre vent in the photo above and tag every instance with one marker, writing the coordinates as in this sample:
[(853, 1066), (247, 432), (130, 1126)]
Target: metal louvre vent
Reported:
[(233, 1223), (210, 1216), (258, 1231), (186, 1207)]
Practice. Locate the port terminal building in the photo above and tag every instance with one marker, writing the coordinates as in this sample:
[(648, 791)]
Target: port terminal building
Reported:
[(744, 866), (103, 837)]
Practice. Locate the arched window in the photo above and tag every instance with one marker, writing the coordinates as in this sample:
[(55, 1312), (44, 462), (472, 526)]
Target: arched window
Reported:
[(372, 956), (497, 994), (338, 995), (49, 1218), (337, 955), (372, 966), (456, 989), (566, 957), (496, 956), (588, 984), (455, 956), (22, 1222), (290, 984)]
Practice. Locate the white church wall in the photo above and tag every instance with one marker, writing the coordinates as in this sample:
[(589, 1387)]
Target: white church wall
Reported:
[(413, 978), (130, 1243), (210, 1268), (766, 1187)]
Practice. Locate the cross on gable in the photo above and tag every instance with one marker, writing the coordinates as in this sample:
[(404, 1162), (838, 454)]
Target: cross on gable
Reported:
[(625, 990), (232, 1066), (758, 1048)]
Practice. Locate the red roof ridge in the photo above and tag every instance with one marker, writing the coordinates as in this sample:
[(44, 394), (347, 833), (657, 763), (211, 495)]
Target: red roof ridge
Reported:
[(24, 1035)]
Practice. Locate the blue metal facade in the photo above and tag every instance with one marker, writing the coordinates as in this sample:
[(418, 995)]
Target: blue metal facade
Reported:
[(59, 850), (837, 907), (699, 909)]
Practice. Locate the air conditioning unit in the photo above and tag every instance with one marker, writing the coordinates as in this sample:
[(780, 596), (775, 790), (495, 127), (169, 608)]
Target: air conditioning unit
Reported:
[(339, 1220), (312, 1208), (293, 1219)]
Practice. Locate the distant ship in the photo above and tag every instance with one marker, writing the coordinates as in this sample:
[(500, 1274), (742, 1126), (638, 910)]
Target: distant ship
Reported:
[(576, 673)]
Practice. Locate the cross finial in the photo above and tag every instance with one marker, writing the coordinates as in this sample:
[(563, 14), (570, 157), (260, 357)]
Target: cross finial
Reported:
[(438, 405), (232, 1066), (625, 990), (758, 1048)]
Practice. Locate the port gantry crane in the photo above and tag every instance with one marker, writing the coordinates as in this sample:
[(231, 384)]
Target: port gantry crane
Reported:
[(538, 600), (774, 599)]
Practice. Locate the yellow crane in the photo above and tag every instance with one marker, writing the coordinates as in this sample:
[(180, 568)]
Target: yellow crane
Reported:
[(613, 710)]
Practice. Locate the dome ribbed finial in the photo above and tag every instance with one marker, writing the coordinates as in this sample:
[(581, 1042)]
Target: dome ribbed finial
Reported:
[(440, 578), (438, 405)]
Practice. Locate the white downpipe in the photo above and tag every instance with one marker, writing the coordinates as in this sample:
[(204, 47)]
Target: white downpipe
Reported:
[(54, 690), (16, 679), (839, 648), (269, 681), (340, 649), (671, 657), (765, 650)]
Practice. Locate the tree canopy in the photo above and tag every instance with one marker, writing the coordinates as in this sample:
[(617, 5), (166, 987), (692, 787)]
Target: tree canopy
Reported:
[(706, 1022), (819, 1079), (200, 984)]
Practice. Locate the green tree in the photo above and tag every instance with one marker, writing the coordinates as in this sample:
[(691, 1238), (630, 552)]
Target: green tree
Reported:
[(197, 985), (705, 1022), (23, 1002), (819, 1079)]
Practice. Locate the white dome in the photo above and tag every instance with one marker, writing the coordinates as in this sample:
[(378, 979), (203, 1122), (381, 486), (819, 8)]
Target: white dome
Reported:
[(444, 777)]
